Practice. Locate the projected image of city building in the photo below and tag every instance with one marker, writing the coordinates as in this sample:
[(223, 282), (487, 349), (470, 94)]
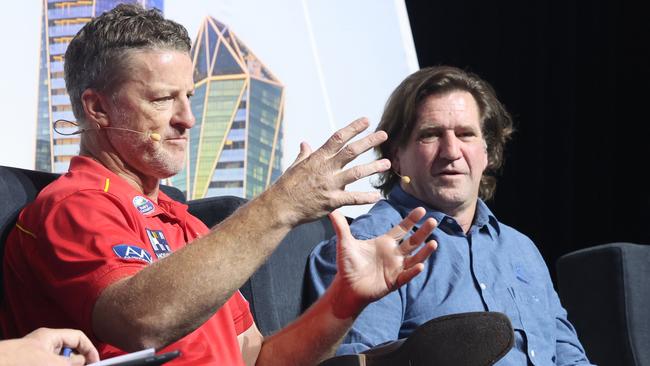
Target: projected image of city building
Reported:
[(61, 20), (236, 144)]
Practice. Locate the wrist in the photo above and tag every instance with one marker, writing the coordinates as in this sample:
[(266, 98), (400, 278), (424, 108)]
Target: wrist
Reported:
[(344, 303), (281, 202)]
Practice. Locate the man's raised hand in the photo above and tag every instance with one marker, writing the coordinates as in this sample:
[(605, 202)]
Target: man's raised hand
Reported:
[(367, 270), (314, 184)]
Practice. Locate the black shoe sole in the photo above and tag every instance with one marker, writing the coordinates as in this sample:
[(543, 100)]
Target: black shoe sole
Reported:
[(464, 339)]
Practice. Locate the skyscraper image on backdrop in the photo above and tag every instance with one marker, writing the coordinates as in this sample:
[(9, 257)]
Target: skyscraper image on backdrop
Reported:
[(236, 145)]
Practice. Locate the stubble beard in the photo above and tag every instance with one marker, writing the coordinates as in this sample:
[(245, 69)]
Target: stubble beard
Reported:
[(148, 156)]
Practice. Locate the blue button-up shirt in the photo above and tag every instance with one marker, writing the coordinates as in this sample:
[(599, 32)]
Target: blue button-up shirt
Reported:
[(492, 267)]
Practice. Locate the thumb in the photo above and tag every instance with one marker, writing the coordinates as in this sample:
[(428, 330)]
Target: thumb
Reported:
[(341, 227), (76, 360)]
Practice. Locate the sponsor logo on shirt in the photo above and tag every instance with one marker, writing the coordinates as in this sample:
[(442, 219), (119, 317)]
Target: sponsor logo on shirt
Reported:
[(128, 251), (159, 243), (143, 205)]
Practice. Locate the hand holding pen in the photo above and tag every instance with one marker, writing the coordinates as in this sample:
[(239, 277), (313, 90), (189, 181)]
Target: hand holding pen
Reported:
[(48, 347)]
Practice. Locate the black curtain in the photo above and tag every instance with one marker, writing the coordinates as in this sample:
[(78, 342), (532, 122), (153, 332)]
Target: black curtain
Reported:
[(575, 77)]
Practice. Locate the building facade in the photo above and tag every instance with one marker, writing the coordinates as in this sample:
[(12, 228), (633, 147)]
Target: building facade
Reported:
[(61, 20), (236, 145)]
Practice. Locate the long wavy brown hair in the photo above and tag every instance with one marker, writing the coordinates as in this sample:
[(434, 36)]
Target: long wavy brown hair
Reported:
[(401, 112)]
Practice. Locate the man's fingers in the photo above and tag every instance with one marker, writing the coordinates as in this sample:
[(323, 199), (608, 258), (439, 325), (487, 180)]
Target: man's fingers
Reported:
[(354, 149), (77, 360), (408, 275), (399, 231), (342, 136), (419, 236), (361, 171), (357, 198), (422, 254), (78, 341)]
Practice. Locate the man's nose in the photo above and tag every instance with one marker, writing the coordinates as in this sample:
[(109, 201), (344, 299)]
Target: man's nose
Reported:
[(449, 147), (183, 115)]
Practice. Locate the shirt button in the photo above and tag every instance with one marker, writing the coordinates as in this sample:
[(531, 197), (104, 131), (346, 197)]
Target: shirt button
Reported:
[(482, 286), (532, 353)]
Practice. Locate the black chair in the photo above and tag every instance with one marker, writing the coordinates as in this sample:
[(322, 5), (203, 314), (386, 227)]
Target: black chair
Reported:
[(606, 291)]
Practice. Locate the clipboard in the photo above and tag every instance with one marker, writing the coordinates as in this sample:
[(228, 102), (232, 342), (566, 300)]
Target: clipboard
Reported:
[(145, 357)]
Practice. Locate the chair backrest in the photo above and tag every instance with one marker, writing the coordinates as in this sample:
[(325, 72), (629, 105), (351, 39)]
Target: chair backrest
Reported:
[(18, 187), (606, 291), (276, 292)]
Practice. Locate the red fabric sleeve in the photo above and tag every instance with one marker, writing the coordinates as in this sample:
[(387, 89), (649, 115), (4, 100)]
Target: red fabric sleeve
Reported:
[(241, 314), (75, 257)]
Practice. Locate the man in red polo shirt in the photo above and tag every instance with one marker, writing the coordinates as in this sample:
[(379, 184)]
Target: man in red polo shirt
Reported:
[(103, 250)]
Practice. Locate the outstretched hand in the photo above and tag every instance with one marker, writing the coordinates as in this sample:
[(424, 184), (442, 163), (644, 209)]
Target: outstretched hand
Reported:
[(314, 184), (367, 270)]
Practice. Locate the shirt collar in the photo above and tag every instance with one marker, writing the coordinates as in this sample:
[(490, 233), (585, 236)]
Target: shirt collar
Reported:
[(405, 202), (119, 186)]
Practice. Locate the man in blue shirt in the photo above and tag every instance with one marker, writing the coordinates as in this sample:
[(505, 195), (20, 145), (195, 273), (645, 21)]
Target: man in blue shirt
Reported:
[(447, 133)]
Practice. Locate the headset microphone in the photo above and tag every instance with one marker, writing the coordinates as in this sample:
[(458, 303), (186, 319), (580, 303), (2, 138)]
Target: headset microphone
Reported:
[(152, 135), (405, 178)]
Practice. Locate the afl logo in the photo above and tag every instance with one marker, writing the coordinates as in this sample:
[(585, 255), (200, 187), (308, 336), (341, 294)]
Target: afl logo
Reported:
[(142, 204)]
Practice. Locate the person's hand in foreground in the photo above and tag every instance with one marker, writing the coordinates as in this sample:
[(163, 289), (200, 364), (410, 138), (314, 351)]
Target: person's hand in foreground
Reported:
[(370, 269), (44, 347)]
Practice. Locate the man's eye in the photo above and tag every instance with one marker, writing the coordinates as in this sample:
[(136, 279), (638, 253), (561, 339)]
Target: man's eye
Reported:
[(428, 137), (163, 99), (466, 135)]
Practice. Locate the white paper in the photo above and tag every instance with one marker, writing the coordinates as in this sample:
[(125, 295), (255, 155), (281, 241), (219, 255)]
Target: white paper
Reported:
[(139, 355)]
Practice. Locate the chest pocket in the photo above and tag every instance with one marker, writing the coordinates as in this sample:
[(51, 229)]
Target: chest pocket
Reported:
[(537, 318)]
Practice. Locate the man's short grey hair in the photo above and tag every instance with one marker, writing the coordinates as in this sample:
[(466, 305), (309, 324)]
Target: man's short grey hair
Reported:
[(97, 56)]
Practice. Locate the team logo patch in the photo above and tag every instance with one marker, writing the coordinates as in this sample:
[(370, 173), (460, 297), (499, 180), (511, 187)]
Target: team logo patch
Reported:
[(143, 205), (159, 243), (127, 251)]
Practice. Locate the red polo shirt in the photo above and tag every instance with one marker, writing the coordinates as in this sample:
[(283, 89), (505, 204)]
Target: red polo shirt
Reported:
[(87, 230)]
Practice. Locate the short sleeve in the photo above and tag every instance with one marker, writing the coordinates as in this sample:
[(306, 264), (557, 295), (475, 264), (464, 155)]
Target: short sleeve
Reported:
[(83, 247), (241, 314)]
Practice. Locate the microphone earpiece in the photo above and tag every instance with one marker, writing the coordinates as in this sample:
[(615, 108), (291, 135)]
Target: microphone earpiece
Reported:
[(405, 178), (154, 136)]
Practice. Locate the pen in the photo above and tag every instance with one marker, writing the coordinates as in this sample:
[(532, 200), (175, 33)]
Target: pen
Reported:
[(66, 351)]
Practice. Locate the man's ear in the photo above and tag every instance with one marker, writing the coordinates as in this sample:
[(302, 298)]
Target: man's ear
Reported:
[(95, 107)]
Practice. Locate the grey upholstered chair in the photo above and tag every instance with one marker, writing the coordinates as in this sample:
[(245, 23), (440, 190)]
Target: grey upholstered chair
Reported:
[(606, 290)]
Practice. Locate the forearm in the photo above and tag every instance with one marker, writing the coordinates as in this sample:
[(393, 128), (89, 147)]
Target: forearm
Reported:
[(315, 335), (187, 287)]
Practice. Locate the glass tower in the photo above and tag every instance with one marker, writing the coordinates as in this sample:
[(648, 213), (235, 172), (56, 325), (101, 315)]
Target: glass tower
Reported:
[(61, 20), (236, 144)]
